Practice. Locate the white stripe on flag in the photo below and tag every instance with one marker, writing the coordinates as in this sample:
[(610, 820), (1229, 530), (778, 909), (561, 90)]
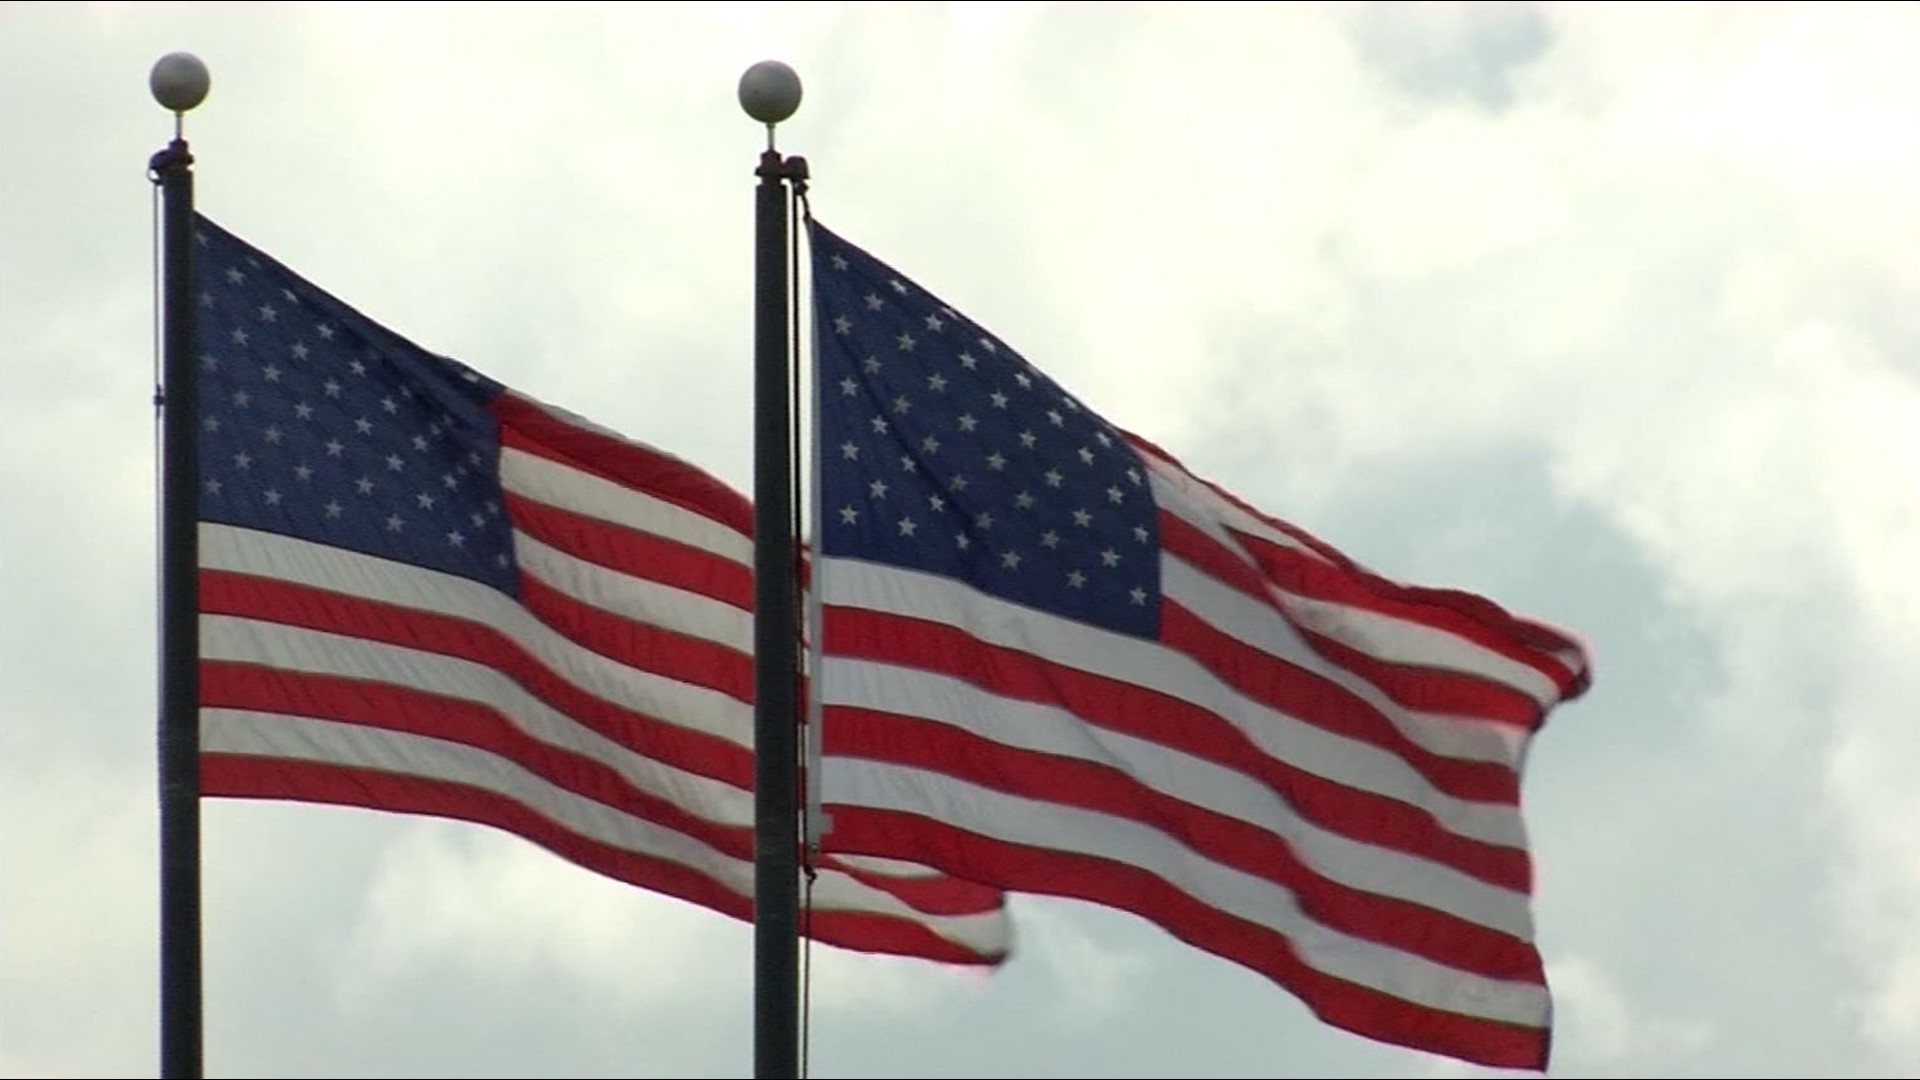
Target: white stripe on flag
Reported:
[(1011, 818)]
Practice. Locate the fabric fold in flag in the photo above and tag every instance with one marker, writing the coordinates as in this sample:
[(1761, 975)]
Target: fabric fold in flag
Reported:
[(1052, 660), (423, 592)]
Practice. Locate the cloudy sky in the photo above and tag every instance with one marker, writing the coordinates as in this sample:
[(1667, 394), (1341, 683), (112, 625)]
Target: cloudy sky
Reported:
[(1604, 312)]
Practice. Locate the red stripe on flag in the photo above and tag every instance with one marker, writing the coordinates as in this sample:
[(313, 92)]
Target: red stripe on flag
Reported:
[(1325, 704), (1442, 612), (1459, 605), (526, 426), (638, 554), (1253, 849), (1171, 722), (1440, 693), (639, 645), (248, 777), (1464, 695), (935, 894), (1040, 870), (399, 708), (223, 593)]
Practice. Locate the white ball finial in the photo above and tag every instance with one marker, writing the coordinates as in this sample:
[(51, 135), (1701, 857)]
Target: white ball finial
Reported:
[(770, 91), (179, 81)]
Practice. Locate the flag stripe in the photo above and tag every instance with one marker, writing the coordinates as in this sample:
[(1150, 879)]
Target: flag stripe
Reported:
[(931, 893), (1154, 861), (1394, 629), (719, 590), (585, 768), (1170, 679), (471, 620), (557, 484), (1433, 693), (639, 645), (924, 653), (262, 665), (308, 659), (1490, 625), (256, 636), (1365, 1011), (1202, 574), (231, 602), (1053, 660), (1022, 729), (1359, 898), (643, 477), (262, 755), (423, 592), (251, 777), (672, 734), (1309, 698)]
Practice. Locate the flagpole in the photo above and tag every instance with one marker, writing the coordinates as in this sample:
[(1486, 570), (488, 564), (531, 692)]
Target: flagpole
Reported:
[(770, 92), (179, 82)]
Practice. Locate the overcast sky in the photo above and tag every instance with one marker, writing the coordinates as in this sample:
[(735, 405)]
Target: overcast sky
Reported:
[(1605, 312)]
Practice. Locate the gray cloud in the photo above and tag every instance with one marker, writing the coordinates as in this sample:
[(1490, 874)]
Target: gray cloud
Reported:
[(1453, 51)]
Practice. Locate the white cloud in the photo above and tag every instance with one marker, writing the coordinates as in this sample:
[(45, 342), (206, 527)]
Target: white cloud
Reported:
[(491, 906), (70, 944), (1091, 978), (1875, 886), (1604, 1028), (484, 905)]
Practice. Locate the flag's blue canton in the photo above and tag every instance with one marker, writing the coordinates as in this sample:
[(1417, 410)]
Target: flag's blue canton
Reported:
[(944, 451), (317, 423)]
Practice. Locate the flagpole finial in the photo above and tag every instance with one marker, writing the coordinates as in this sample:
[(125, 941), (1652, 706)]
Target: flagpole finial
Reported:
[(770, 92), (179, 81)]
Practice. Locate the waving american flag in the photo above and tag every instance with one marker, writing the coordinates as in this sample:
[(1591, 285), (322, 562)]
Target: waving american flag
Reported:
[(423, 592), (1053, 660)]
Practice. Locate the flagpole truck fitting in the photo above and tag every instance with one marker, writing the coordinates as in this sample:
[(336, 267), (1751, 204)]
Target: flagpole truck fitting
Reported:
[(179, 81), (770, 92)]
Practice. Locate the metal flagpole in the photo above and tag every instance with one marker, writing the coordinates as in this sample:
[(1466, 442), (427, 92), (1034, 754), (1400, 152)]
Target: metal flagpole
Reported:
[(770, 92), (179, 81)]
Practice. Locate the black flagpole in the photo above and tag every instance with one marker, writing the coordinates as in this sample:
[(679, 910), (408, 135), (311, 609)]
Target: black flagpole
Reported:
[(179, 82), (770, 92)]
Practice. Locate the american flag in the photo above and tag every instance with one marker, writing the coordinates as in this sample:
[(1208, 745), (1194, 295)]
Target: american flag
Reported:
[(1054, 661), (425, 593)]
